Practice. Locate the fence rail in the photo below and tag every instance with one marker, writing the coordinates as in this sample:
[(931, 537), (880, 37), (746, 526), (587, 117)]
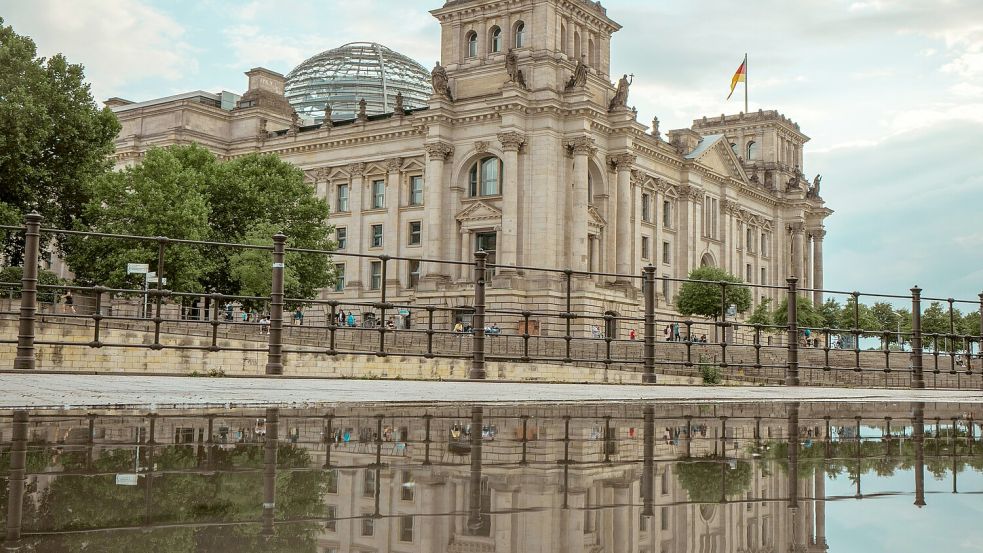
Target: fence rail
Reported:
[(562, 326)]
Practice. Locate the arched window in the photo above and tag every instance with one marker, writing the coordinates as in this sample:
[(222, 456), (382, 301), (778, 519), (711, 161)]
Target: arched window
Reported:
[(752, 150), (520, 34), (485, 177), (733, 148), (472, 39), (592, 54), (496, 40), (563, 39), (577, 52), (707, 261)]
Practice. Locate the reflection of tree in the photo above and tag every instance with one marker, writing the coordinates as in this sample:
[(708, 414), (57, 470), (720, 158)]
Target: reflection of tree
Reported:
[(231, 494), (703, 480)]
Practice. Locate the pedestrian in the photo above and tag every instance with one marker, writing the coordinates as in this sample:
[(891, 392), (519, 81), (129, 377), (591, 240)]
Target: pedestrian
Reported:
[(675, 332), (69, 302), (703, 339), (351, 320), (264, 325), (298, 317), (631, 334), (228, 311), (667, 333), (459, 327)]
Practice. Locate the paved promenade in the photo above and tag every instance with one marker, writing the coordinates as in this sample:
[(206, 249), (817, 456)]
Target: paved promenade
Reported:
[(81, 391)]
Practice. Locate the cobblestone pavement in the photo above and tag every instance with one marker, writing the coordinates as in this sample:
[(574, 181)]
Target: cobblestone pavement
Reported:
[(82, 391)]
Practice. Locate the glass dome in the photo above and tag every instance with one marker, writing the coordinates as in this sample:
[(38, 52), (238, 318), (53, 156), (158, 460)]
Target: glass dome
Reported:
[(343, 76)]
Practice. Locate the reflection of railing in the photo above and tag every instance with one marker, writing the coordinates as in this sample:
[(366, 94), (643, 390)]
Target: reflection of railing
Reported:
[(563, 328)]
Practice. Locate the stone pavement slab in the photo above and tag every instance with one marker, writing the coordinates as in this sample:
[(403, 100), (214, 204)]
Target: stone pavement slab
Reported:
[(46, 391)]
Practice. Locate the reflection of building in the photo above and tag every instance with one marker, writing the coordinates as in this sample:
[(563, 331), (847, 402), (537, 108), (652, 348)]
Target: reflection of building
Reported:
[(527, 151)]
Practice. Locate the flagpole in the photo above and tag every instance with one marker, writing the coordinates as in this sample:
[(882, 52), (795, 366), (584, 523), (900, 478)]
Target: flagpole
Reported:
[(745, 82)]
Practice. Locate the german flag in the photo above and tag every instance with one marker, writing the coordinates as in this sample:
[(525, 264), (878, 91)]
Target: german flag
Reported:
[(739, 77)]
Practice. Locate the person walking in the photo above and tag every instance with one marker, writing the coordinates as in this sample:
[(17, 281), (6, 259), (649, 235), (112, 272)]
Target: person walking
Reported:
[(667, 333), (69, 302), (351, 320), (675, 332), (299, 317), (632, 335)]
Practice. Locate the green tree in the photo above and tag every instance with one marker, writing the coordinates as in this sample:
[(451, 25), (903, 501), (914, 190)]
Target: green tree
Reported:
[(851, 314), (935, 320), (762, 313), (706, 298), (806, 314), (712, 479), (185, 192), (55, 139), (830, 312)]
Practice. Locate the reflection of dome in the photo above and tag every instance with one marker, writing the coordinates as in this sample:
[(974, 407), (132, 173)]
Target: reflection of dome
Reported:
[(343, 76)]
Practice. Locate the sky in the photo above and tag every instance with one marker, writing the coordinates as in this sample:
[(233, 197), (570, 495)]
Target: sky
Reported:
[(890, 92)]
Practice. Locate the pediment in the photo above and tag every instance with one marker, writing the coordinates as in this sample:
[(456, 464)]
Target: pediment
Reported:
[(594, 218), (479, 211), (715, 154)]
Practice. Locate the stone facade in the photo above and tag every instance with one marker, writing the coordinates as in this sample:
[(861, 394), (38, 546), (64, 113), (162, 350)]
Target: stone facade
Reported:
[(530, 152)]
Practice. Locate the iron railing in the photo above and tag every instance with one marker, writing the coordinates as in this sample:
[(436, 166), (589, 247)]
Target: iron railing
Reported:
[(561, 323)]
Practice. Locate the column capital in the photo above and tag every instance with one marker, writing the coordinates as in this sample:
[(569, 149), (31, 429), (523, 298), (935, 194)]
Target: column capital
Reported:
[(438, 151), (818, 234), (796, 228), (356, 169), (511, 141), (394, 164), (623, 161), (582, 145)]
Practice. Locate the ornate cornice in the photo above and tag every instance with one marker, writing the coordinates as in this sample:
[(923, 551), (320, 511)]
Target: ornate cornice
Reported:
[(511, 141), (438, 151)]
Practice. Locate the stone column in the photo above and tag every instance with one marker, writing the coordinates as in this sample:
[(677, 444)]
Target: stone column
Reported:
[(582, 148), (658, 198), (817, 266), (392, 233), (624, 517), (623, 164), (807, 272), (820, 495), (353, 269), (437, 154), (797, 231), (684, 231), (509, 248)]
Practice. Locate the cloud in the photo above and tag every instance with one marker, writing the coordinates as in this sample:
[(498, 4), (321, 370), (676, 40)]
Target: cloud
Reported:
[(119, 42)]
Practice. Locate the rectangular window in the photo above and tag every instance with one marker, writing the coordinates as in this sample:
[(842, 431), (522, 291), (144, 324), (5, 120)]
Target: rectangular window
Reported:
[(416, 190), (332, 481), (368, 483), (339, 283), (368, 524), (416, 233), (764, 276), (666, 253), (378, 194), (647, 208), (749, 240), (764, 244), (406, 491), (342, 198), (414, 265), (665, 518), (665, 482), (643, 524), (376, 275), (667, 214), (645, 247), (665, 289), (748, 274), (341, 235), (376, 236), (331, 524), (487, 241), (406, 529)]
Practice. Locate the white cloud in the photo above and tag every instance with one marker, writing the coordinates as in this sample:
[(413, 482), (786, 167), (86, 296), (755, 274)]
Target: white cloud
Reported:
[(118, 41)]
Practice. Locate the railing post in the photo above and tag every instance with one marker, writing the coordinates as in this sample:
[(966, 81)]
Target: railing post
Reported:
[(648, 287), (917, 374), (792, 374), (25, 358), (274, 364), (16, 481), (478, 321)]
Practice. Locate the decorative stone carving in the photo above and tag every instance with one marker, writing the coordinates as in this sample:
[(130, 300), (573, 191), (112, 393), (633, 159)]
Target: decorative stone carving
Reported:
[(356, 169), (327, 123), (814, 189), (620, 100), (261, 132), (322, 174), (637, 176), (394, 164), (511, 141), (819, 234), (579, 77), (362, 115), (655, 129), (582, 145), (398, 109), (480, 146), (438, 151), (512, 66), (622, 162), (796, 228), (440, 82), (294, 124)]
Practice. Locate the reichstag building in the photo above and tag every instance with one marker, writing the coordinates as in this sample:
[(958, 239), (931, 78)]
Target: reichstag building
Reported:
[(519, 142)]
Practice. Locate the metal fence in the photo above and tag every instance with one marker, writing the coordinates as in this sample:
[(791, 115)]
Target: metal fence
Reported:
[(579, 330)]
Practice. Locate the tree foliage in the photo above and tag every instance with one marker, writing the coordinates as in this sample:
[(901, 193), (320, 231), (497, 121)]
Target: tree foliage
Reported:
[(54, 140), (713, 479), (761, 314), (706, 298), (184, 192), (806, 314)]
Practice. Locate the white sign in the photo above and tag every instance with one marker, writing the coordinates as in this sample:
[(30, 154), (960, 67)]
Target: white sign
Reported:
[(126, 479), (137, 268), (278, 265), (154, 280)]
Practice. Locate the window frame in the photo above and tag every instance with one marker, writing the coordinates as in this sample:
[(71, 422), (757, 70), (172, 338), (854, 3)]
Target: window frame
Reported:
[(495, 40), (414, 276), (667, 214), (378, 189), (646, 246), (346, 197), (416, 196), (403, 529), (339, 285), (477, 182), (418, 234), (519, 35), (646, 207), (471, 45), (375, 277), (376, 240), (341, 237), (666, 252)]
